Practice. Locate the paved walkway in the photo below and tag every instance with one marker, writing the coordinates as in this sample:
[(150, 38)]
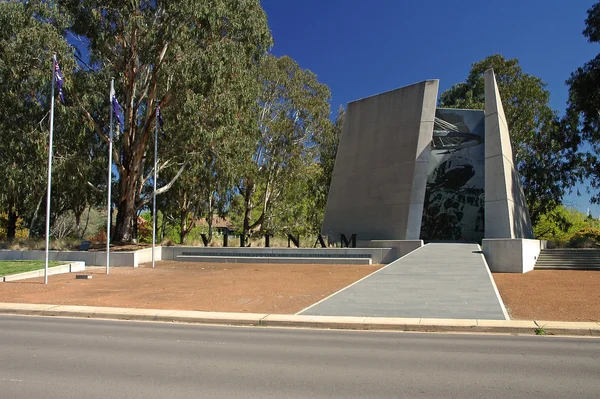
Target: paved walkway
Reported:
[(448, 281)]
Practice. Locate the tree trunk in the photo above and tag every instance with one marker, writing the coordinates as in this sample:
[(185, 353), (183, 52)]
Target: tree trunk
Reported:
[(209, 217), (78, 214), (126, 210), (184, 230), (87, 222), (248, 207), (135, 228), (11, 230), (162, 228), (34, 217)]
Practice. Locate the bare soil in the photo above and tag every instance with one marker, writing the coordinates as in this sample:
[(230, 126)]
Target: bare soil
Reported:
[(218, 287), (118, 247), (563, 295)]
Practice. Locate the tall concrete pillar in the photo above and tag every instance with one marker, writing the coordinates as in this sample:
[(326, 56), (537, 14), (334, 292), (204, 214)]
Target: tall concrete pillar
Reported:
[(380, 175), (506, 214)]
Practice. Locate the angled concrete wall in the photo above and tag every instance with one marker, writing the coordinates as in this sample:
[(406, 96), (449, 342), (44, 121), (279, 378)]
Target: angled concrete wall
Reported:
[(378, 185), (506, 214)]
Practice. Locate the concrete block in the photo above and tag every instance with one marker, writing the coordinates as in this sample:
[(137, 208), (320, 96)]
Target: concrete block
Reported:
[(24, 308), (570, 328), (341, 322), (88, 311), (495, 146), (167, 253), (506, 214), (500, 171), (6, 254), (497, 220), (529, 324), (511, 255), (187, 316), (377, 190), (392, 323), (392, 249), (450, 322)]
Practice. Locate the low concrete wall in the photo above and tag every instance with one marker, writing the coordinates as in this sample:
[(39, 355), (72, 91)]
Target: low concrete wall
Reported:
[(399, 247), (90, 258), (145, 255), (68, 268), (275, 260), (507, 255), (377, 255)]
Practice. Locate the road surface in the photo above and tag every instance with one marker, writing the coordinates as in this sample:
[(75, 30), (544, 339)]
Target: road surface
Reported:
[(78, 358)]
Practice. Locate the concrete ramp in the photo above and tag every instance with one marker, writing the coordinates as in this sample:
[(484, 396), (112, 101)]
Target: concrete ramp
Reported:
[(450, 281)]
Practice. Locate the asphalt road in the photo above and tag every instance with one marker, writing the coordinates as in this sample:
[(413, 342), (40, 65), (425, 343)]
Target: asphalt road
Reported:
[(72, 358)]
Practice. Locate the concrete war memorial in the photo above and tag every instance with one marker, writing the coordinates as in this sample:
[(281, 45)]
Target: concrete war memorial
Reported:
[(406, 173), (430, 197), (406, 170)]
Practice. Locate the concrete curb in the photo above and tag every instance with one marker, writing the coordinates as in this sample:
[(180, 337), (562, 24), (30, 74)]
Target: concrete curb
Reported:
[(528, 327), (62, 269)]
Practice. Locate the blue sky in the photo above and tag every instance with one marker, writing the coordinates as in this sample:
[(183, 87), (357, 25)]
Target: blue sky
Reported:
[(360, 47)]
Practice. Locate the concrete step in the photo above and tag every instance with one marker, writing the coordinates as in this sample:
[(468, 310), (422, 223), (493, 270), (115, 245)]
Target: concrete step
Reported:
[(568, 255), (568, 259), (565, 267)]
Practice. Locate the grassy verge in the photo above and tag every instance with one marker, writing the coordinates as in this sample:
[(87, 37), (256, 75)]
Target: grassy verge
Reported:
[(8, 267)]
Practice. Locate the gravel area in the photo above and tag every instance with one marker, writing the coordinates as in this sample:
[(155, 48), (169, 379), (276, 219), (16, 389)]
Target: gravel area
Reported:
[(219, 287), (562, 295)]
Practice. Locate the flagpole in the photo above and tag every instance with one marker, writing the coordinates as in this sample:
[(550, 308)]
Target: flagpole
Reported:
[(154, 190), (108, 205), (49, 168)]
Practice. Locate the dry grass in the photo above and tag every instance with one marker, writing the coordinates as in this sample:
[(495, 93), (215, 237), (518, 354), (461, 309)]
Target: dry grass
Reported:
[(30, 244)]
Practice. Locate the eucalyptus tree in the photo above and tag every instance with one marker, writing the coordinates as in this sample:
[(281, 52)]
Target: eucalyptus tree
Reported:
[(27, 43), (584, 101), (545, 147), (327, 145), (292, 113), (172, 53)]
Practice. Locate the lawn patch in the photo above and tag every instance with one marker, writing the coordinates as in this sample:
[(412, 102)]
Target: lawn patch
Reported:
[(8, 267)]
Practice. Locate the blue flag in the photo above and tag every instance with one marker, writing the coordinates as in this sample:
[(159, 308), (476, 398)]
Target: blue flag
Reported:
[(159, 117), (59, 82), (160, 120), (116, 108)]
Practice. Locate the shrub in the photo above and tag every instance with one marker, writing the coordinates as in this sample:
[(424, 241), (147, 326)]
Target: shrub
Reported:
[(587, 237)]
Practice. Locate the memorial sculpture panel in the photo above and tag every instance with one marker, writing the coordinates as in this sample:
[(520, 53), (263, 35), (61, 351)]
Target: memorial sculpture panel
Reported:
[(406, 170)]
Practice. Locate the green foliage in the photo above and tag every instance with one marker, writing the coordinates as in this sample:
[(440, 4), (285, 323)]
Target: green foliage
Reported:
[(20, 231), (567, 227), (192, 57), (27, 44), (583, 109), (587, 237), (544, 146), (540, 331), (292, 114), (246, 134)]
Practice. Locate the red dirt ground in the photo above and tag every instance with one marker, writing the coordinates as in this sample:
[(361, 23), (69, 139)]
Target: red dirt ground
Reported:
[(219, 287), (563, 295)]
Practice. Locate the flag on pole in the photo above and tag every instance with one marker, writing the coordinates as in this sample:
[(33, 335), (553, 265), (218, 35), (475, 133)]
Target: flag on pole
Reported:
[(159, 117), (59, 82), (116, 108), (160, 120)]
